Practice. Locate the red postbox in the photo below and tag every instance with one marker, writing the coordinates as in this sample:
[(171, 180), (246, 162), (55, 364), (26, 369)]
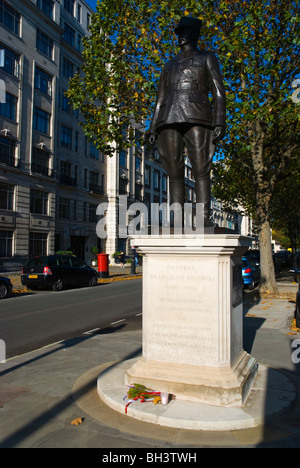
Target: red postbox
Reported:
[(103, 265)]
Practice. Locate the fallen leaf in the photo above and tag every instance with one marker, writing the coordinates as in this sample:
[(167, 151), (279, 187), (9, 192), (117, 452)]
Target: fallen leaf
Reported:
[(157, 400), (77, 421)]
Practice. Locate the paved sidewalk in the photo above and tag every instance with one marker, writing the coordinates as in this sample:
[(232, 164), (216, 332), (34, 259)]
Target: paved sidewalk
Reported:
[(43, 392)]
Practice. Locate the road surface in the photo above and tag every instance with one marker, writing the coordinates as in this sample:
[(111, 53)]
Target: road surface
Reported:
[(33, 320)]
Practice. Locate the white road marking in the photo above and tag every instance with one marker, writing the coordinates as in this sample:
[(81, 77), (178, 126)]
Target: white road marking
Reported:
[(118, 321)]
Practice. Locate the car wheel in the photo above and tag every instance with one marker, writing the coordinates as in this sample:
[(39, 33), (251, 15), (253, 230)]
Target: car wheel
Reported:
[(58, 285), (252, 285), (3, 291), (93, 281)]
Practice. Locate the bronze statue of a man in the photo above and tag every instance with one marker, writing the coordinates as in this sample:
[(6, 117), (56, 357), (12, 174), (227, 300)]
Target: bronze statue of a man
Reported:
[(184, 117)]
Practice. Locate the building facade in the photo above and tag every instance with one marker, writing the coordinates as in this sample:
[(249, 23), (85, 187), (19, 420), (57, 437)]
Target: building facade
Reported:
[(51, 178)]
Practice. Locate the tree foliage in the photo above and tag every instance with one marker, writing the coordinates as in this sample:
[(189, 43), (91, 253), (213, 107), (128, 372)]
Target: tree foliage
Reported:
[(263, 121)]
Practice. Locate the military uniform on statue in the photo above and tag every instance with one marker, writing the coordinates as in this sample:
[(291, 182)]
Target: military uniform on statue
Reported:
[(184, 117)]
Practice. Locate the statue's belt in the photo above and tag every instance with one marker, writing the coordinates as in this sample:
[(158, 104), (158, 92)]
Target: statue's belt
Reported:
[(184, 86)]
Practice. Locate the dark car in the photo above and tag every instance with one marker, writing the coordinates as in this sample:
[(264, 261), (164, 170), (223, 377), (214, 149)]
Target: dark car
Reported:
[(250, 273), (57, 271), (5, 287), (295, 272), (284, 257)]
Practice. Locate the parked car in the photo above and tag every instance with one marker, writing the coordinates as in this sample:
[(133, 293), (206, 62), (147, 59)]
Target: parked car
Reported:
[(254, 256), (250, 273), (295, 272), (57, 271), (5, 287), (285, 257)]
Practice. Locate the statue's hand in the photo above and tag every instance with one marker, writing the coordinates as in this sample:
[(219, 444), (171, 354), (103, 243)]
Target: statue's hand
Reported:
[(219, 133), (152, 138)]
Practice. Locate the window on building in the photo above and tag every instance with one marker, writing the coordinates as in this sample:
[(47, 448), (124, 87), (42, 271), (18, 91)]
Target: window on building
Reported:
[(123, 158), (94, 153), (6, 243), (92, 213), (123, 186), (46, 6), (44, 44), (69, 35), (66, 168), (38, 243), (138, 192), (11, 62), (138, 165), (43, 82), (67, 68), (76, 141), (9, 17), (41, 120), (66, 137), (6, 196), (147, 176), (79, 38), (39, 202), (66, 104), (40, 161), (67, 208), (79, 12), (66, 174), (94, 177), (156, 179), (69, 6), (164, 183), (95, 187), (8, 109), (7, 151)]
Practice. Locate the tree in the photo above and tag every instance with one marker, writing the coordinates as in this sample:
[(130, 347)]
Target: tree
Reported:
[(284, 210), (257, 43), (263, 139)]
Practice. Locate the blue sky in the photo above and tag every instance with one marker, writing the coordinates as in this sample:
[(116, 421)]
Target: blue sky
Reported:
[(92, 3)]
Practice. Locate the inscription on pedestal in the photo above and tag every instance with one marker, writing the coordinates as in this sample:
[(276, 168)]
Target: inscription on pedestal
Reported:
[(181, 312)]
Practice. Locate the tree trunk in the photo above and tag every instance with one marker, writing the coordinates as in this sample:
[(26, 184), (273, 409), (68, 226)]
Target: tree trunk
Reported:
[(267, 269), (263, 196)]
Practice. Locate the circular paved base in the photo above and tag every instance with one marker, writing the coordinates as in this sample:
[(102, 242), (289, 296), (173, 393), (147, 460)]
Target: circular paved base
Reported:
[(271, 396)]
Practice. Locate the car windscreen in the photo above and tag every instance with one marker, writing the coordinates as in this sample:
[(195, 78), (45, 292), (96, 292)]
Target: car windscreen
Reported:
[(37, 262)]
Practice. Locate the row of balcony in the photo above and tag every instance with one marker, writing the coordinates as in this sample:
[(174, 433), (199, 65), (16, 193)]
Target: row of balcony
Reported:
[(12, 161)]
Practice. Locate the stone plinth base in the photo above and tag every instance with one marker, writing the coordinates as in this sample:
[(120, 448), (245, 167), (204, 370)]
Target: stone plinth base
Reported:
[(271, 396), (223, 386), (193, 318)]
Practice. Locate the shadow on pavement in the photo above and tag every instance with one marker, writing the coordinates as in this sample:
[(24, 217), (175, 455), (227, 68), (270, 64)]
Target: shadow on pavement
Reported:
[(40, 421)]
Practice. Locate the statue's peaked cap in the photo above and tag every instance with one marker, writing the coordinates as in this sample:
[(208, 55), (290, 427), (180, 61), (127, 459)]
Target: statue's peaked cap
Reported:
[(188, 22)]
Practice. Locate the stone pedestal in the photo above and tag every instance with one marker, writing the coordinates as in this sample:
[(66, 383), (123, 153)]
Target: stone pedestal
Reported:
[(193, 319)]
